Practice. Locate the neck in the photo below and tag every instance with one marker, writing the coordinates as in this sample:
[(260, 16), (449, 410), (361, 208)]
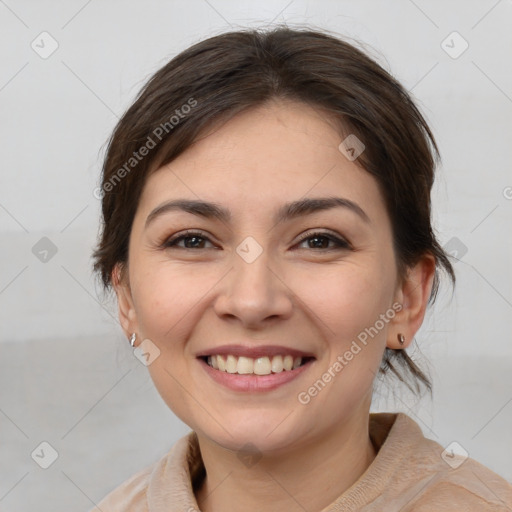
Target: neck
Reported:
[(307, 479)]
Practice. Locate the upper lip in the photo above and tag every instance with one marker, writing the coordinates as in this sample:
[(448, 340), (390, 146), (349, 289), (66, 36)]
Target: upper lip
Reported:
[(253, 352)]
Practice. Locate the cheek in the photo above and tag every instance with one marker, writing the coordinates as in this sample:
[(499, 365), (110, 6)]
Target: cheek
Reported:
[(168, 298), (169, 301), (346, 308), (347, 298)]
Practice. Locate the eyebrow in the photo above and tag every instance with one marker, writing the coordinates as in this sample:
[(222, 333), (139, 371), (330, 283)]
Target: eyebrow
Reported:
[(286, 212)]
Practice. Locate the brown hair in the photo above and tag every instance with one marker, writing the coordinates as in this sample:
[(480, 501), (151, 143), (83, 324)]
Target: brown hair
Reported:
[(219, 77)]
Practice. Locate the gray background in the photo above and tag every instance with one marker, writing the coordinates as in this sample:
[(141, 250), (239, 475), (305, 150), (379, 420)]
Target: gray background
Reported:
[(68, 376)]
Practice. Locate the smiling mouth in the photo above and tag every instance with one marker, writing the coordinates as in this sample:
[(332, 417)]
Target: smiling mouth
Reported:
[(266, 365)]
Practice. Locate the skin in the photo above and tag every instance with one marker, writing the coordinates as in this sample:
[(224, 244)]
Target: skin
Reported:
[(297, 294)]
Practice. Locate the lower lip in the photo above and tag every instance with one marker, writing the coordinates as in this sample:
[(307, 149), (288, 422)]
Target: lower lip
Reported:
[(250, 383)]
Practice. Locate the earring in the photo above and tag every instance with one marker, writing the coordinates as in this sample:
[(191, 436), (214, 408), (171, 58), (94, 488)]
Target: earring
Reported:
[(133, 337), (401, 338)]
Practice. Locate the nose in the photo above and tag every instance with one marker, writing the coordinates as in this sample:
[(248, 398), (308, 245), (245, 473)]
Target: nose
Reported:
[(254, 294)]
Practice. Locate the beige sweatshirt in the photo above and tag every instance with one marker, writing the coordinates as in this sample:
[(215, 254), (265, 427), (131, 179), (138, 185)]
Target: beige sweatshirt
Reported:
[(408, 474)]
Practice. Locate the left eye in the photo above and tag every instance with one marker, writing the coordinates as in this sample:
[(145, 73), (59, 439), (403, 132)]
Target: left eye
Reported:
[(322, 240)]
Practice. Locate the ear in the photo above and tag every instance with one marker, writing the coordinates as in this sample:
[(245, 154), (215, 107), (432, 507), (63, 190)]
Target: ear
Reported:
[(127, 315), (413, 294)]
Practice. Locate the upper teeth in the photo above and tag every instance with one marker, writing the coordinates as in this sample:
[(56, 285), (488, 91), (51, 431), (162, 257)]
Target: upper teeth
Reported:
[(259, 366)]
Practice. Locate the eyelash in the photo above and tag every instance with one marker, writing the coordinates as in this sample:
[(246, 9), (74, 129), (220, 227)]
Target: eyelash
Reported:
[(339, 242)]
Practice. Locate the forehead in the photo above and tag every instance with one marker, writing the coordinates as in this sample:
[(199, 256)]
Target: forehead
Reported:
[(278, 152)]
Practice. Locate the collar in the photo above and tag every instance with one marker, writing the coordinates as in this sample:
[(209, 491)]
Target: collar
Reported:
[(176, 476)]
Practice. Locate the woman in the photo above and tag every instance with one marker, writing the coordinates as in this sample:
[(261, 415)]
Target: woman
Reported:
[(266, 208)]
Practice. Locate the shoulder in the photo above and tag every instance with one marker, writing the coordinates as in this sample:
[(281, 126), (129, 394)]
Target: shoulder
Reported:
[(472, 487), (442, 481), (159, 486), (130, 495)]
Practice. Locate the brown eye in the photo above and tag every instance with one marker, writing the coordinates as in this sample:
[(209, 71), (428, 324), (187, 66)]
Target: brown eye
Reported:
[(191, 239), (321, 240)]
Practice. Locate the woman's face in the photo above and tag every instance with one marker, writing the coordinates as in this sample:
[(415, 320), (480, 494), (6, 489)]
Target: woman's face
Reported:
[(265, 280)]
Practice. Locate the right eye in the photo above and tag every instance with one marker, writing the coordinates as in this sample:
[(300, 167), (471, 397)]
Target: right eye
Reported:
[(192, 240)]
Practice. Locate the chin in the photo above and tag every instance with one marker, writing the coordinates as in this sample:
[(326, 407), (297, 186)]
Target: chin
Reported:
[(269, 435)]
